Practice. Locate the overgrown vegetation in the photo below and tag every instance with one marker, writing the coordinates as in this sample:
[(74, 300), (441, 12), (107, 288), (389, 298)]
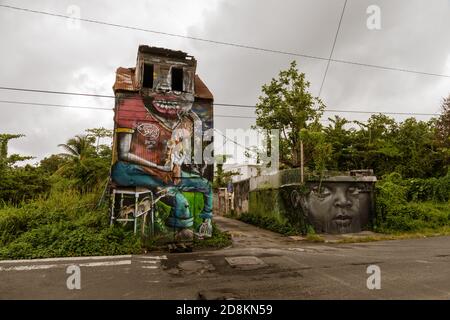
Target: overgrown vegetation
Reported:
[(51, 209), (412, 204), (270, 223), (413, 148), (66, 223), (411, 157), (218, 240)]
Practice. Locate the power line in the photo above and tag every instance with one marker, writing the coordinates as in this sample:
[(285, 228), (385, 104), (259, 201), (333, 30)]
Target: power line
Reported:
[(215, 104), (53, 105), (99, 108), (57, 92), (338, 110), (226, 43), (384, 112), (93, 108), (109, 109), (341, 110), (234, 141), (332, 49)]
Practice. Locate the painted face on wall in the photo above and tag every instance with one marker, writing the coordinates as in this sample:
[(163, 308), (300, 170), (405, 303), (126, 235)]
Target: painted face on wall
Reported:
[(335, 207), (169, 88)]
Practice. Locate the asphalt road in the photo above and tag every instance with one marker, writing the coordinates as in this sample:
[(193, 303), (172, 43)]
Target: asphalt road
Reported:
[(259, 265)]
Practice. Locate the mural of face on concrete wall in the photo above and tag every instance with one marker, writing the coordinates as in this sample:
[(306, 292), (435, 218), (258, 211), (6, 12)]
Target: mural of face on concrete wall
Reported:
[(338, 207), (155, 128)]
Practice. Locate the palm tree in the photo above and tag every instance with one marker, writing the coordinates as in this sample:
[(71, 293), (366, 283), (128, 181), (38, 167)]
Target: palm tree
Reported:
[(78, 147)]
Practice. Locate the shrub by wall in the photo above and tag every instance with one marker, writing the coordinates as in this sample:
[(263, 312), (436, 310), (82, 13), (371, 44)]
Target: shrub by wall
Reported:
[(412, 204)]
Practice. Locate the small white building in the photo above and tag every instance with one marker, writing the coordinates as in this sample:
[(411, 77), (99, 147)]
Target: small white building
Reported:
[(245, 171)]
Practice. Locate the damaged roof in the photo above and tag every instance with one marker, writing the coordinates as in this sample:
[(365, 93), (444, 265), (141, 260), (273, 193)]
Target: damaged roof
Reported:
[(125, 82), (163, 52)]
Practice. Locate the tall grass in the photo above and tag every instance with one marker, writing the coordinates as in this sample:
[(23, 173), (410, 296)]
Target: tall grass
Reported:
[(412, 205), (65, 223)]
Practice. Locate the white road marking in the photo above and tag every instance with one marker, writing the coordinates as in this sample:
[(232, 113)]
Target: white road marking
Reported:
[(296, 249), (154, 257), (105, 263), (28, 268), (62, 265), (66, 259), (422, 261), (149, 261), (112, 261)]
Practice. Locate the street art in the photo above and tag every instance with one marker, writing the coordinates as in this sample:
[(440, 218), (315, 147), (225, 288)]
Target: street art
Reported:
[(162, 113), (332, 204), (336, 205)]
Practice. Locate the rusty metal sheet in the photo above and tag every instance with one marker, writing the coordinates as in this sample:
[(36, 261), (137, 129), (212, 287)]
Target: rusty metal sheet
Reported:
[(124, 79)]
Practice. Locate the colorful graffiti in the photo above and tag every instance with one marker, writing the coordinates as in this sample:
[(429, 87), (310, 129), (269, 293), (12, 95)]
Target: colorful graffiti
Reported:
[(162, 114)]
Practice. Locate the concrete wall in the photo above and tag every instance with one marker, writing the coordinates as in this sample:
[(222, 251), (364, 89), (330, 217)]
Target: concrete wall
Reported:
[(337, 204), (241, 196)]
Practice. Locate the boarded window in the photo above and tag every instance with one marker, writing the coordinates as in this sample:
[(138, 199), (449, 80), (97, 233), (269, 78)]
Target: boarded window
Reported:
[(177, 79), (148, 76)]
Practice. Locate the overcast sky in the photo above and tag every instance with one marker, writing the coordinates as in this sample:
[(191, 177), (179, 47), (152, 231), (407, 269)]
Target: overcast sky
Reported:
[(43, 52)]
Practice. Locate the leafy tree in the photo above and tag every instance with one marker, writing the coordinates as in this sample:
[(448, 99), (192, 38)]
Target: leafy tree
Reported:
[(418, 155), (221, 177), (99, 133), (6, 160), (322, 151), (18, 183), (443, 124), (88, 168), (443, 132), (51, 164), (287, 105), (341, 140)]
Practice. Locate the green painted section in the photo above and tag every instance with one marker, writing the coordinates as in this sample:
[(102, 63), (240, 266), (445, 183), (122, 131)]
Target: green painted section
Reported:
[(162, 212), (275, 206)]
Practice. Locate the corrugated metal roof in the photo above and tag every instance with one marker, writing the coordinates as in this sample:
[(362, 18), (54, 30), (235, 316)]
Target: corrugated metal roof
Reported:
[(201, 90), (125, 82)]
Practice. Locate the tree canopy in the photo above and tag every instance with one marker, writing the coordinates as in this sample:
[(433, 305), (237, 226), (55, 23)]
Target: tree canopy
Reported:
[(413, 148)]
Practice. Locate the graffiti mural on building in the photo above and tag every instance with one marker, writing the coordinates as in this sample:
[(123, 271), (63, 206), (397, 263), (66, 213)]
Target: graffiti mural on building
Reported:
[(339, 205), (330, 204), (163, 116), (334, 205)]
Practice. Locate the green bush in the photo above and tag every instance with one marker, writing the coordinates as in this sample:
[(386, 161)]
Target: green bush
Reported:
[(269, 223), (64, 224), (432, 189), (412, 204)]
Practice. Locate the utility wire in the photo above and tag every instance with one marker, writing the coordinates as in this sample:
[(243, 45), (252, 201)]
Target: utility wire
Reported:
[(215, 104), (225, 43), (53, 105), (57, 92), (109, 109), (332, 49), (234, 141), (94, 108), (99, 108)]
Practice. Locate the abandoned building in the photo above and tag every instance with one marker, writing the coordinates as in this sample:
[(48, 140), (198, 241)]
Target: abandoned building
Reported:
[(158, 105)]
